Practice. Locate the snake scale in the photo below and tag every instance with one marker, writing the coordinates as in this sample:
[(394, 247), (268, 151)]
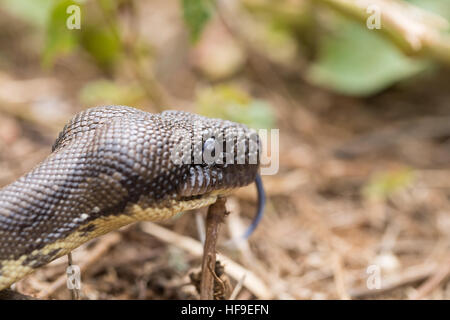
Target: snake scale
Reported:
[(112, 166)]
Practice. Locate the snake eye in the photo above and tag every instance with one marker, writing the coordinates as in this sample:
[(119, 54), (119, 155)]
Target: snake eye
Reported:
[(211, 155), (209, 146)]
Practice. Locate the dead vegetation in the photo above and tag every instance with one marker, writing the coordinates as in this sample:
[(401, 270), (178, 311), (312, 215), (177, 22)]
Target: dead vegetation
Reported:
[(362, 182)]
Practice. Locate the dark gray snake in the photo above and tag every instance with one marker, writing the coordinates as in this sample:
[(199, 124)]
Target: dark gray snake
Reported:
[(115, 165)]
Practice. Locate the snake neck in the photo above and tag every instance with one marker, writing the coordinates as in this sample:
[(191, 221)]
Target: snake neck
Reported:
[(43, 217)]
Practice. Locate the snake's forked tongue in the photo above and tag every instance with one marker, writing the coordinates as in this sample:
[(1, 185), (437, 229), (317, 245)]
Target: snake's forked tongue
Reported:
[(259, 211)]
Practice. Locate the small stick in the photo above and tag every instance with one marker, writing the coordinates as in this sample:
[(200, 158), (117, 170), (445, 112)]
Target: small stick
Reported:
[(74, 293), (216, 215), (238, 288), (103, 245), (199, 221), (433, 282), (251, 282), (8, 294), (408, 276)]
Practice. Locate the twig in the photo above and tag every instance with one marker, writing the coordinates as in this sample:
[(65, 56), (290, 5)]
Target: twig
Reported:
[(102, 247), (74, 293), (339, 278), (433, 282), (146, 78), (199, 221), (237, 289), (423, 128), (252, 282), (216, 216), (411, 275), (415, 31), (9, 294), (260, 64)]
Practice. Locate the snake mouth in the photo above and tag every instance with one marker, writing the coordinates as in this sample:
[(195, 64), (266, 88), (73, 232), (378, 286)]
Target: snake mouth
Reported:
[(215, 193), (196, 197), (229, 169), (201, 180)]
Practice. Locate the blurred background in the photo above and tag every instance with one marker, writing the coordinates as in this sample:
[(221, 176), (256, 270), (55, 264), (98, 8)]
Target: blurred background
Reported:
[(362, 195)]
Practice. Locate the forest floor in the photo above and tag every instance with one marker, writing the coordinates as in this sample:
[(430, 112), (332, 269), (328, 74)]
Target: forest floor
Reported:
[(363, 189)]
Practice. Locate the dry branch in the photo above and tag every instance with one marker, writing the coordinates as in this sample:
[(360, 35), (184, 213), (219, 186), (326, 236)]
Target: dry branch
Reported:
[(409, 276), (216, 215), (253, 283), (415, 31), (9, 294), (433, 282), (105, 243)]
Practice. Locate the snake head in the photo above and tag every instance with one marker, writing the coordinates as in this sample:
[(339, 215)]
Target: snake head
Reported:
[(215, 155), (173, 155)]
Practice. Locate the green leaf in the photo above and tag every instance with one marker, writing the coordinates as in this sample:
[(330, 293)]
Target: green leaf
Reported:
[(35, 12), (360, 62), (59, 39), (384, 184), (232, 103), (103, 44), (441, 7), (103, 92), (100, 35), (196, 14)]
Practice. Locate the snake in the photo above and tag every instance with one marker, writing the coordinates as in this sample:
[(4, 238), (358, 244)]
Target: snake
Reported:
[(115, 165)]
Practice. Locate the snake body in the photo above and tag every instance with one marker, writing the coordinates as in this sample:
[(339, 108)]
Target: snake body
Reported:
[(112, 166)]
